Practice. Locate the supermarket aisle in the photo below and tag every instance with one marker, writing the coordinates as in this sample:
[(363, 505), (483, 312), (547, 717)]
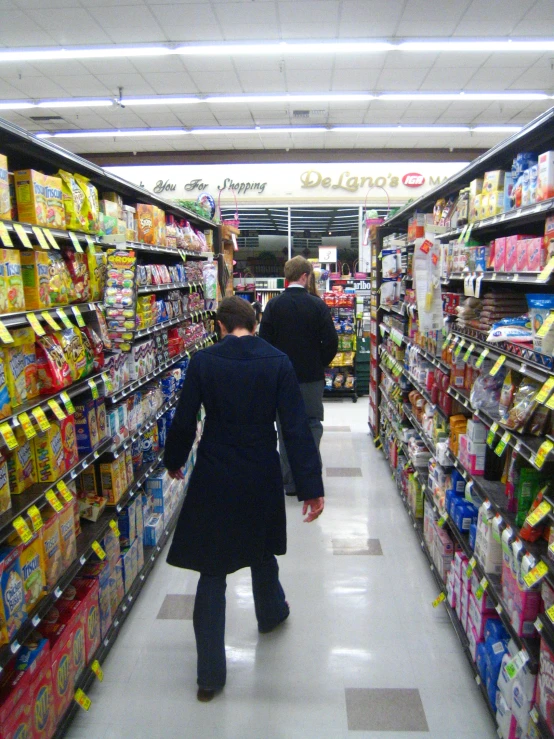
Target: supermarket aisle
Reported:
[(363, 654)]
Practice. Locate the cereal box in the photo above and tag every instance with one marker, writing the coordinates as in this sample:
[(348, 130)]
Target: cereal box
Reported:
[(33, 570), (49, 454), (13, 280), (100, 572), (87, 483), (50, 534), (35, 273), (68, 539), (31, 197), (69, 441), (86, 426), (22, 471), (87, 593), (110, 481), (19, 722), (101, 419), (5, 497), (130, 474), (5, 206), (55, 213), (60, 636), (12, 602), (72, 613), (41, 700), (146, 223)]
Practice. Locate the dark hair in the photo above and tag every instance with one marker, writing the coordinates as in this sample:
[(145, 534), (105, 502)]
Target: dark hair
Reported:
[(258, 310), (235, 313)]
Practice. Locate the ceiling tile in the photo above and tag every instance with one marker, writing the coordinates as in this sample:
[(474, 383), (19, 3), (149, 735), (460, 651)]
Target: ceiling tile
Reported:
[(456, 80), (246, 13), (410, 79), (18, 30), (181, 22), (323, 29), (65, 25), (212, 82), (35, 4), (409, 60), (360, 61), (9, 92), (521, 60), (535, 78), (108, 66), (161, 64), (124, 24), (83, 85), (171, 83), (539, 17), (355, 80), (499, 80), (370, 18), (303, 80), (218, 64), (156, 120), (258, 81), (40, 87), (425, 28), (249, 32), (307, 11), (132, 84)]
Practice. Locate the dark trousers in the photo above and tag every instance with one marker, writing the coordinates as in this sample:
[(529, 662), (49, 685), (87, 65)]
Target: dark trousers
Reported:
[(312, 394), (209, 617)]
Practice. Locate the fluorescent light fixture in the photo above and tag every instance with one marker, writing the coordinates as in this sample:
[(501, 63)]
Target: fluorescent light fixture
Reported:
[(187, 100), (496, 129), (400, 129), (337, 97), (482, 45), (106, 52), (16, 106), (461, 96), (112, 134), (258, 129), (285, 47), (76, 103)]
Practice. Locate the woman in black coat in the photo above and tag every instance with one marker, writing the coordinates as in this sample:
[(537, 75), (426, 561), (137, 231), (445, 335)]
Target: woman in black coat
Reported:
[(234, 512)]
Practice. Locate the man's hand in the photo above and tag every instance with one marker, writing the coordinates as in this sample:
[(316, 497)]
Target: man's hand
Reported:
[(316, 506), (176, 474)]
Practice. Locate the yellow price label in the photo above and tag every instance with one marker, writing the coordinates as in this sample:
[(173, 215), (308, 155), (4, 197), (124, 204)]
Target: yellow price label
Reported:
[(442, 520), (483, 585), (5, 335), (98, 671), (67, 402), (550, 402), (459, 348), (93, 388), (50, 320), (27, 425), (56, 409), (22, 528), (491, 434), (89, 240), (8, 435), (540, 512), (545, 328), (470, 566), (544, 450), (547, 271), (75, 242), (546, 389), (36, 518), (5, 237), (64, 491), (35, 324), (536, 574), (78, 316), (54, 502), (63, 318), (23, 237), (502, 443), (50, 236), (82, 699), (438, 600), (40, 237), (470, 348), (481, 358), (497, 365), (97, 549), (114, 527), (40, 418)]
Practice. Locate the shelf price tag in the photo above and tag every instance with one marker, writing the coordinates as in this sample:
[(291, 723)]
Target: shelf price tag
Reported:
[(98, 671), (5, 335), (470, 566), (546, 389), (8, 435), (442, 520), (50, 236), (78, 316), (506, 436), (540, 512), (67, 402), (459, 348), (544, 450), (481, 358), (75, 241), (54, 502), (497, 365), (114, 527), (27, 425), (536, 574), (463, 233), (483, 585), (515, 665), (547, 271), (64, 318), (56, 409), (82, 699), (492, 432), (468, 233), (5, 237), (35, 324), (50, 320), (64, 491), (22, 528), (93, 388), (545, 328), (36, 518), (97, 549), (20, 231), (470, 348), (550, 614), (550, 402), (438, 600), (40, 418), (40, 237)]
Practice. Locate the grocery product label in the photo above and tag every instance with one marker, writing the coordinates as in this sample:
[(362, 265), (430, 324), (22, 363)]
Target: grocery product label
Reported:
[(27, 425), (95, 667), (544, 450), (497, 365), (50, 236), (64, 318), (544, 329), (502, 443), (22, 528), (20, 231), (93, 388), (54, 502), (5, 237), (107, 383), (426, 246), (550, 614), (442, 520), (536, 574), (481, 358), (35, 324), (40, 418), (51, 321), (67, 402), (89, 240), (82, 699), (64, 491), (459, 348), (540, 512), (5, 335), (36, 518), (470, 566), (547, 271), (545, 390), (97, 549), (468, 233), (462, 234), (438, 600), (470, 348), (75, 242), (492, 432), (483, 585), (78, 316), (114, 527), (515, 665), (8, 435), (56, 409), (40, 237)]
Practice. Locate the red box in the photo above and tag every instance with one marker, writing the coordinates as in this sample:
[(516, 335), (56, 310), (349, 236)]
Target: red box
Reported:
[(500, 254), (69, 440), (60, 636), (19, 724), (87, 592), (41, 700), (510, 259), (521, 255), (536, 254), (72, 613)]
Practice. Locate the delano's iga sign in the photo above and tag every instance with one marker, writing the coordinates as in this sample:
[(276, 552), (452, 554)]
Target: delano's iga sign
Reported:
[(342, 183)]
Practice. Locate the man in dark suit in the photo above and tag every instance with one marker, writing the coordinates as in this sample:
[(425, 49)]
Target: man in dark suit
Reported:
[(234, 513), (301, 326)]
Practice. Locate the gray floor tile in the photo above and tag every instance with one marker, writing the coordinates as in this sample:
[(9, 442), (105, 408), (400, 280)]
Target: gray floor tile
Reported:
[(346, 429), (385, 709), (177, 608), (344, 471), (355, 545)]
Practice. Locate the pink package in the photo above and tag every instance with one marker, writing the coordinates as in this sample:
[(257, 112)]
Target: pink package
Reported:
[(510, 260), (499, 254), (476, 464), (536, 254), (545, 685), (521, 255), (462, 450)]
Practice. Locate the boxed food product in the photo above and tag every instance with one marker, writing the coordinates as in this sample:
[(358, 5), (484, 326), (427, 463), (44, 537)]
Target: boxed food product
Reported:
[(22, 470), (91, 507), (41, 699), (60, 637), (5, 205), (475, 187), (55, 215), (127, 525), (101, 420), (31, 197), (111, 483), (35, 273), (146, 226), (86, 592), (5, 497), (68, 539), (536, 254), (86, 426), (13, 281), (500, 254), (12, 594), (51, 540), (33, 570), (545, 182), (493, 180), (68, 434), (100, 573), (49, 454)]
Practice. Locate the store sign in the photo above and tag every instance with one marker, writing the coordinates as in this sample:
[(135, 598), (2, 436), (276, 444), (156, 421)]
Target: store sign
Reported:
[(291, 183)]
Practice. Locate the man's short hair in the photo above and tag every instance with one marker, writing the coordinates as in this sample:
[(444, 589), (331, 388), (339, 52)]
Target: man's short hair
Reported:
[(235, 313), (296, 267)]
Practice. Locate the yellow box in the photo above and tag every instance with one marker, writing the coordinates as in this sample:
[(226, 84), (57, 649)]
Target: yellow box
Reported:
[(475, 208), (13, 281), (5, 205), (496, 203), (68, 540), (49, 456), (22, 471), (494, 180), (475, 188), (110, 480), (130, 476), (31, 196), (51, 539), (35, 273), (5, 498), (33, 569), (484, 206), (55, 212)]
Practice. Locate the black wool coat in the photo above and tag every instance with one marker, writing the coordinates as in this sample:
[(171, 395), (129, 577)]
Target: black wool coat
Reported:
[(234, 510)]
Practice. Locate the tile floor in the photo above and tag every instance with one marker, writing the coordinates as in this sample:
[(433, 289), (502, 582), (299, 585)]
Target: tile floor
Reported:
[(362, 655)]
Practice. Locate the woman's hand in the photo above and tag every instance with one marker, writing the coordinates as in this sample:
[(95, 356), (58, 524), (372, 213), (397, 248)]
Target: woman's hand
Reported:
[(176, 474), (316, 506)]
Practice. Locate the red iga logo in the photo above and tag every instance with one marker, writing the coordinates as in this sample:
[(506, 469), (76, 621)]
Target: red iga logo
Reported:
[(413, 179)]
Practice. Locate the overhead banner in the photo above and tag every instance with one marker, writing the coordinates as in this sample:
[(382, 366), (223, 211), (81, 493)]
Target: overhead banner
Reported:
[(285, 183)]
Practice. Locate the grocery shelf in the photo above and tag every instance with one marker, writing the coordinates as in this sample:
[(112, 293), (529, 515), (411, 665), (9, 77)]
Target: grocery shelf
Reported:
[(161, 288), (523, 278), (126, 442), (423, 391), (438, 363), (419, 428), (192, 315), (14, 320), (517, 216)]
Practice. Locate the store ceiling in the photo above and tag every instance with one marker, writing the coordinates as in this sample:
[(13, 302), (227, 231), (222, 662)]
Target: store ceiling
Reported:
[(52, 24), (320, 221)]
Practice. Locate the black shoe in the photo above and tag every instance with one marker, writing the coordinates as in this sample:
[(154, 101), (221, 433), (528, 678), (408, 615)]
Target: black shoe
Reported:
[(205, 695), (271, 628), (291, 495)]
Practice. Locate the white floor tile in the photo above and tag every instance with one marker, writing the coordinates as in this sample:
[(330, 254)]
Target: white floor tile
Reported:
[(356, 622)]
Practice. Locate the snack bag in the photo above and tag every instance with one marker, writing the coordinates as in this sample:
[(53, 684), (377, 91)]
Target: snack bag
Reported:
[(71, 342), (91, 209), (5, 206), (77, 265), (33, 569), (89, 354), (97, 261), (73, 202), (22, 471), (52, 368), (35, 274), (60, 280), (97, 347), (55, 215), (19, 366), (13, 281), (523, 406)]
